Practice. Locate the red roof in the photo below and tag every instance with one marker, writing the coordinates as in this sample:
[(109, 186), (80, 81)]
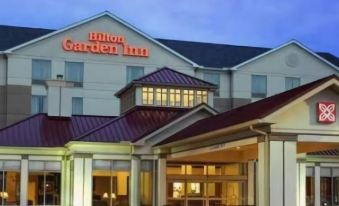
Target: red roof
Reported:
[(42, 131), (133, 125), (245, 113), (169, 77)]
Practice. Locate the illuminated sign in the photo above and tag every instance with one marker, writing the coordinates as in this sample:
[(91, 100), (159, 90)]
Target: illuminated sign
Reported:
[(326, 112), (104, 43)]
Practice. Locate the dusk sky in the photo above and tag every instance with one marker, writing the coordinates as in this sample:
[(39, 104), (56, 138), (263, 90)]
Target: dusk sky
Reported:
[(266, 23)]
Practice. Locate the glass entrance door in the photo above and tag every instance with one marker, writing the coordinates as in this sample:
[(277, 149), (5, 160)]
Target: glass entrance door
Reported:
[(199, 193)]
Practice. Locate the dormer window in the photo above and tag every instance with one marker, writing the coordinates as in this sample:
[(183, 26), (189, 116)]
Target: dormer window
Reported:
[(161, 97), (147, 96), (166, 88), (173, 97)]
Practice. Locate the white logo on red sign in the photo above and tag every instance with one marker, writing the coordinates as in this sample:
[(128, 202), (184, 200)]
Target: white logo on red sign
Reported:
[(326, 112)]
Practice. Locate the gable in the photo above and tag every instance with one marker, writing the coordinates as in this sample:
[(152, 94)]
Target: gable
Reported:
[(291, 59), (303, 116), (51, 46)]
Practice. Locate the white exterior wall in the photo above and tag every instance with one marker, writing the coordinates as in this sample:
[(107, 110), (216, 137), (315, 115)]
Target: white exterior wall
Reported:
[(275, 67), (103, 74)]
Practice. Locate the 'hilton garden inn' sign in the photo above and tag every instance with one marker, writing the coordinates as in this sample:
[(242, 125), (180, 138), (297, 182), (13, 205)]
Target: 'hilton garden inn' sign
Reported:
[(104, 43)]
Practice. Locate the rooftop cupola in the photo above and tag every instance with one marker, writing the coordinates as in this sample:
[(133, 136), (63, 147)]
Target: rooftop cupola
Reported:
[(166, 87)]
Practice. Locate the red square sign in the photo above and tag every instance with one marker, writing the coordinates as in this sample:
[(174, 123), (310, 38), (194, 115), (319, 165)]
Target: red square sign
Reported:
[(326, 112)]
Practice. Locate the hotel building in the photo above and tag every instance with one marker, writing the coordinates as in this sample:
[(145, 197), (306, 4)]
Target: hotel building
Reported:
[(100, 113)]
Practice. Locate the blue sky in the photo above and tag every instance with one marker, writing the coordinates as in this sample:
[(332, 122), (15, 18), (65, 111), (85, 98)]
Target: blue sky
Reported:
[(266, 23)]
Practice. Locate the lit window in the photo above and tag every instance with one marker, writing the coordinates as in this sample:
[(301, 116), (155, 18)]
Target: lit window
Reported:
[(110, 182), (44, 182), (147, 96), (41, 71), (161, 97), (134, 72), (185, 98), (10, 182), (77, 105), (213, 78), (201, 97), (75, 73), (188, 98), (38, 104), (191, 98), (291, 82), (259, 86), (175, 97)]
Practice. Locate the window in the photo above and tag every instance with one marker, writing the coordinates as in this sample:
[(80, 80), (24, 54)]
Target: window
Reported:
[(44, 183), (41, 71), (10, 182), (188, 98), (147, 96), (38, 104), (175, 97), (75, 73), (201, 97), (259, 86), (134, 72), (161, 97), (110, 182), (213, 78), (200, 184), (291, 82), (77, 105)]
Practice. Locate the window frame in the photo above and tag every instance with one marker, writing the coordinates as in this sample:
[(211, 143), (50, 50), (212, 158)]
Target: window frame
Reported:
[(44, 104), (258, 94), (41, 81), (76, 83), (292, 80), (131, 68), (205, 75), (82, 105)]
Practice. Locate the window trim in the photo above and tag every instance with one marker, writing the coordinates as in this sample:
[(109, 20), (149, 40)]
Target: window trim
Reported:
[(82, 105), (131, 67), (258, 95), (216, 93), (293, 79), (75, 83), (36, 81)]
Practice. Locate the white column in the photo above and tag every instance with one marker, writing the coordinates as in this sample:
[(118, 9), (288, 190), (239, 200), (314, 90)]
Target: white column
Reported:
[(78, 184), (250, 182), (277, 172), (135, 181), (66, 186), (301, 184), (290, 173), (263, 174), (317, 199), (82, 180), (87, 179), (161, 182), (24, 181)]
